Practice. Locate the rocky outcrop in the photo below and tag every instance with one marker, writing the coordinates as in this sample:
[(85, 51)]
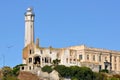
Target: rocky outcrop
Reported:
[(48, 76)]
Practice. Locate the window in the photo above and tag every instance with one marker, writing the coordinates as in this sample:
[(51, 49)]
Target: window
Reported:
[(115, 58), (70, 60), (100, 58), (31, 51), (87, 57), (22, 68), (100, 67), (43, 60), (41, 51), (74, 59), (80, 57), (30, 60), (67, 60), (46, 60), (93, 57), (50, 52), (115, 66), (29, 67)]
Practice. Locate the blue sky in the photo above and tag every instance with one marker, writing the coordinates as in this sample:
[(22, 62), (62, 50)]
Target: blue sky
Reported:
[(59, 23)]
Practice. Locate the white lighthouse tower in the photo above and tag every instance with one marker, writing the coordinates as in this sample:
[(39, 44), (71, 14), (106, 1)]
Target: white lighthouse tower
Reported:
[(29, 27)]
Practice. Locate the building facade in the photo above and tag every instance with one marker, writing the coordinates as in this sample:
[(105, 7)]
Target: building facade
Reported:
[(35, 56)]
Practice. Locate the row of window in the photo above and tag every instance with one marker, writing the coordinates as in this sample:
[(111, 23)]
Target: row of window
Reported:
[(41, 51), (44, 60), (105, 58)]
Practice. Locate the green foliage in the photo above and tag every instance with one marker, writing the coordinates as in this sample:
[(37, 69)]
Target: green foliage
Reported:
[(63, 70), (74, 78), (6, 71), (47, 69), (9, 78), (56, 62), (99, 76), (113, 78), (75, 72), (104, 70), (84, 73), (16, 69), (79, 73), (8, 74)]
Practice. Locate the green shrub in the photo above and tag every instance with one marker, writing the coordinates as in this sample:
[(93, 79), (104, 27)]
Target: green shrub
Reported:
[(47, 69)]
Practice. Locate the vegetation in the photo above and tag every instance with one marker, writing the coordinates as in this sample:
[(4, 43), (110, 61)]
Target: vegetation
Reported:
[(47, 69), (56, 62), (8, 74), (104, 70), (73, 73), (16, 69)]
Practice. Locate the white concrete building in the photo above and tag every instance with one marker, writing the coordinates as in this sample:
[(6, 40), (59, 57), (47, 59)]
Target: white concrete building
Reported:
[(36, 56)]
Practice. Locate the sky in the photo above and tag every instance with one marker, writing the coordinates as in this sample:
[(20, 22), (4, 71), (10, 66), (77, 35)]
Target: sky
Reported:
[(59, 23)]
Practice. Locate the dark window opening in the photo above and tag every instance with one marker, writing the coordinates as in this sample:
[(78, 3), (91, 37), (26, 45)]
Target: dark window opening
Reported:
[(50, 52), (30, 60), (93, 57), (46, 60), (29, 67), (22, 68), (31, 51), (100, 58), (37, 60), (87, 57), (100, 67)]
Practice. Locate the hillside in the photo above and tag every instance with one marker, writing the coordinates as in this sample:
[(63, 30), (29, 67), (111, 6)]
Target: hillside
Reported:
[(27, 76)]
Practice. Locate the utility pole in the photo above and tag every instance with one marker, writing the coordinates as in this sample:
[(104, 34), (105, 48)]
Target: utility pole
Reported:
[(4, 61)]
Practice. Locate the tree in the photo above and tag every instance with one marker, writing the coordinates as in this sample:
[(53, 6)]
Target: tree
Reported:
[(6, 71), (16, 69), (84, 73), (56, 62), (63, 71), (47, 69), (74, 71)]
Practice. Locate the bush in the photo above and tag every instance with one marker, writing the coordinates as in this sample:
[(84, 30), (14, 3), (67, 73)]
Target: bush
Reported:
[(16, 69), (47, 69), (63, 71), (104, 70), (6, 71)]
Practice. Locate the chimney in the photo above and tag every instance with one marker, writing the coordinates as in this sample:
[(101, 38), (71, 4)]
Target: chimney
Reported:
[(37, 42)]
